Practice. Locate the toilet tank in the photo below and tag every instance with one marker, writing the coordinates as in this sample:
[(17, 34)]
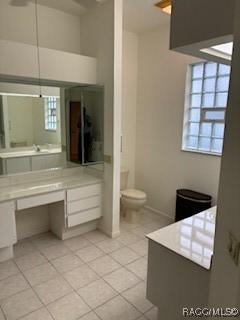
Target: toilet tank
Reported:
[(124, 178)]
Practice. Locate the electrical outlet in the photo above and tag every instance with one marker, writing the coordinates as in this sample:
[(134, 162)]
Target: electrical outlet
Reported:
[(234, 248)]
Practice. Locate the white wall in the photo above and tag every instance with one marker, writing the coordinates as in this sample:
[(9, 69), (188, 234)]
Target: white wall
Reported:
[(101, 36), (129, 103), (161, 166), (20, 116), (26, 117), (57, 30)]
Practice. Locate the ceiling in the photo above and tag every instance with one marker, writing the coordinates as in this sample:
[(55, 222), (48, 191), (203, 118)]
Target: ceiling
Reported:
[(141, 15), (77, 7), (138, 15)]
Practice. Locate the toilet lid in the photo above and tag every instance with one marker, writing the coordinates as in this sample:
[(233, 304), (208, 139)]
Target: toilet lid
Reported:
[(134, 194)]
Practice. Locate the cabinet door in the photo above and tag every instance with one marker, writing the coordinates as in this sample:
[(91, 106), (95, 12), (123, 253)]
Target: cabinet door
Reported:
[(8, 235), (17, 165), (46, 161)]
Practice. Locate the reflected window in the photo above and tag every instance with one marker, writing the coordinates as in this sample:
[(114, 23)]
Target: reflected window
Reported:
[(206, 102), (50, 104)]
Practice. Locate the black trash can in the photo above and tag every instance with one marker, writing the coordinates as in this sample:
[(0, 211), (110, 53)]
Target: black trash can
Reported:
[(191, 202)]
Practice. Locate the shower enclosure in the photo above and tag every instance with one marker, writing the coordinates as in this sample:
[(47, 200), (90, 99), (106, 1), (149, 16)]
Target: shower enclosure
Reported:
[(85, 113)]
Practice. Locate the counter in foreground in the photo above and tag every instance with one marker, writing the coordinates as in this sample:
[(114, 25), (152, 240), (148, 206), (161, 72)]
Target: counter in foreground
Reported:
[(179, 263)]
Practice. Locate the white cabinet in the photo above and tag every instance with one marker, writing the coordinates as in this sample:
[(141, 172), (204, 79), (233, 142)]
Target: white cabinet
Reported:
[(83, 205), (31, 163), (40, 200), (46, 161), (16, 165), (8, 235)]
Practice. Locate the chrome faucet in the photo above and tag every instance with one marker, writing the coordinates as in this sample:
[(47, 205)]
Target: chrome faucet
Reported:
[(36, 148)]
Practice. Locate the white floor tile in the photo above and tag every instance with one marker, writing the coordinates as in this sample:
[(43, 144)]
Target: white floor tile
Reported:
[(104, 265), (97, 293), (52, 290), (12, 285), (95, 236), (80, 277), (121, 279), (139, 268), (109, 245), (20, 304), (117, 309), (67, 263), (124, 255), (140, 247), (45, 240), (41, 314), (89, 253), (1, 315), (137, 297), (140, 231), (128, 238), (7, 269), (55, 251), (90, 316), (40, 274), (152, 314), (70, 307), (77, 243), (23, 247), (30, 261)]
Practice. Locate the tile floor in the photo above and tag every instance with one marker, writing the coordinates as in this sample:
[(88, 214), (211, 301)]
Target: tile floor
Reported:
[(90, 277)]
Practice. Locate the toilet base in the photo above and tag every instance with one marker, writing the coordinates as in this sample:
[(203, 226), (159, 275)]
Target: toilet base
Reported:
[(132, 216)]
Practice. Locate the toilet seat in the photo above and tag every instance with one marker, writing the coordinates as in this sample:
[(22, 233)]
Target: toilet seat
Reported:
[(134, 194)]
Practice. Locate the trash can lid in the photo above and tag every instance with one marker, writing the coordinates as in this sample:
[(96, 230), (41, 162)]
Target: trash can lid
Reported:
[(190, 194)]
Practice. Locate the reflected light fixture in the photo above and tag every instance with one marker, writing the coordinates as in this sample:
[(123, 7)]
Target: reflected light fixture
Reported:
[(165, 6), (223, 50)]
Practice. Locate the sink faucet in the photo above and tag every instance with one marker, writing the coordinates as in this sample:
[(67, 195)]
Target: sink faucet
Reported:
[(36, 148)]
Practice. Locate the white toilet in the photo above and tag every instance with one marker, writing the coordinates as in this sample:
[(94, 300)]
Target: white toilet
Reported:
[(132, 200)]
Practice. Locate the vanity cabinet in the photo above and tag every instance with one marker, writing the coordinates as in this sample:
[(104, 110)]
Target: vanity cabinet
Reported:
[(46, 161), (8, 234), (31, 163), (16, 165), (83, 205)]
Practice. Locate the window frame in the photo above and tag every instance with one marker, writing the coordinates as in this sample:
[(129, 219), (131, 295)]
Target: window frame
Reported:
[(203, 110), (48, 101)]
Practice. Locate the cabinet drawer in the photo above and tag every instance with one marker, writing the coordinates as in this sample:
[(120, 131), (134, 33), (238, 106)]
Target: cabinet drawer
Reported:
[(84, 204), (40, 200), (83, 217), (84, 192)]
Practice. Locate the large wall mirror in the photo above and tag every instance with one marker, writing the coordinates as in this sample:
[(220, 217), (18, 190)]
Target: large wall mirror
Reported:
[(61, 127)]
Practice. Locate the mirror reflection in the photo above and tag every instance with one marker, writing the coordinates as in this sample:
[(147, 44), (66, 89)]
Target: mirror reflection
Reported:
[(62, 128)]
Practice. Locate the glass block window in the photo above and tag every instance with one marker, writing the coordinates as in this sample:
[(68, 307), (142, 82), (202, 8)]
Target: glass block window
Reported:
[(206, 102), (50, 104)]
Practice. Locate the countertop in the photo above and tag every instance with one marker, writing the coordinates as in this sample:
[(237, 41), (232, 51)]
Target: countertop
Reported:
[(37, 187), (29, 153), (192, 238)]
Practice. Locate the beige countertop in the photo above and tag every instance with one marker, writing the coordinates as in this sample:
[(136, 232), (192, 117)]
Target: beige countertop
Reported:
[(50, 184), (192, 238), (29, 153)]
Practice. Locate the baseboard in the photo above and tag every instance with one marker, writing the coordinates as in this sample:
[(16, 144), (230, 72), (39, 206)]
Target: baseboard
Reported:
[(109, 233), (163, 214)]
